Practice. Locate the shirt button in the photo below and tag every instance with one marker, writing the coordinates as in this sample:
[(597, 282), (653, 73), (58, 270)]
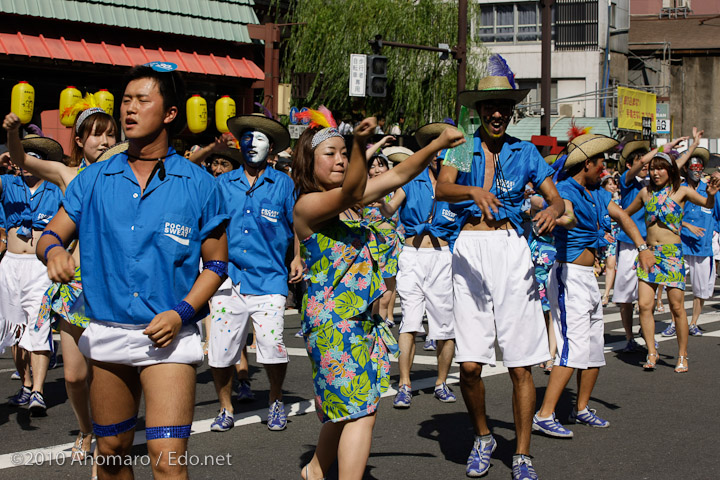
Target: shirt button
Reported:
[(244, 251), (135, 294), (132, 228), (247, 211), (246, 231), (135, 195)]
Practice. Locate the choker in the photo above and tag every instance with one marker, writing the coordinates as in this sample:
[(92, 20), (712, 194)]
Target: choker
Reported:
[(159, 166)]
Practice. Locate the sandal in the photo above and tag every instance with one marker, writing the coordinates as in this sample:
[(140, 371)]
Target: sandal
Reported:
[(78, 452), (307, 472), (682, 366), (605, 300), (648, 365), (548, 366), (661, 308)]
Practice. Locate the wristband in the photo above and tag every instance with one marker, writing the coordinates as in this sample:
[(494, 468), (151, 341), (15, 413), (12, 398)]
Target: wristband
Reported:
[(186, 312), (50, 247), (217, 266), (50, 232)]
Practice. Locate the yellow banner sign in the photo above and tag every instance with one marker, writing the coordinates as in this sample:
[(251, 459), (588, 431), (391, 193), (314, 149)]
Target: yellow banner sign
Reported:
[(634, 105)]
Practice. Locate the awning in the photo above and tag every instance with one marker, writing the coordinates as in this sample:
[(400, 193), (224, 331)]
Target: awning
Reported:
[(103, 53)]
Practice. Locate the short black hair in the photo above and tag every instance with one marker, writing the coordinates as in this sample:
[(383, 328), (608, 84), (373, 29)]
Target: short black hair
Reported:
[(172, 88)]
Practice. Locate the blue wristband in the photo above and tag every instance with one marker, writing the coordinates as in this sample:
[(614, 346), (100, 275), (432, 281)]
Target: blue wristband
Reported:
[(186, 312), (50, 247), (50, 232), (217, 266)]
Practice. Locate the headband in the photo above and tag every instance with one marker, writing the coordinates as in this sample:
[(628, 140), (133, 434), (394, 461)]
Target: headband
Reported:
[(324, 134), (665, 157), (84, 116)]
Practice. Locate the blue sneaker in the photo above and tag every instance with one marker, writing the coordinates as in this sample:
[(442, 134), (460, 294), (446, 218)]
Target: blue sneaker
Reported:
[(478, 463), (277, 420), (631, 346), (403, 397), (245, 393), (551, 427), (522, 468), (37, 405), (695, 331), (444, 394), (22, 397), (299, 334), (669, 331), (588, 417), (430, 345), (15, 375), (53, 361), (223, 422)]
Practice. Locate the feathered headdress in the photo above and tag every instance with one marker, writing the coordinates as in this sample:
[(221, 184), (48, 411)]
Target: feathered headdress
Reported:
[(498, 67), (322, 117), (574, 131), (87, 106), (265, 110)]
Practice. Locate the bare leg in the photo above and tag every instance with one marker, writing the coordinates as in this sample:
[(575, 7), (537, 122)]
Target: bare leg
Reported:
[(40, 362), (523, 406), (445, 353), (646, 302), (22, 364), (559, 378), (243, 367), (473, 391), (349, 442), (659, 304), (552, 343), (697, 309), (609, 277), (406, 343), (585, 383), (385, 306), (276, 375), (325, 452), (75, 369), (222, 378), (626, 315), (675, 299)]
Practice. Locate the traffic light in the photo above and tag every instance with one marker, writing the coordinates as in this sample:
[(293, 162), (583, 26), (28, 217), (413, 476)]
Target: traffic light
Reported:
[(376, 76)]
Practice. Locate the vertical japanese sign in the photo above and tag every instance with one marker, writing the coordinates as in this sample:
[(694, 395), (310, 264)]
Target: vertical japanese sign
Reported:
[(358, 73)]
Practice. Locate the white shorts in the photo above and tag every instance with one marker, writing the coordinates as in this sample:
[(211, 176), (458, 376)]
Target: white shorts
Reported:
[(230, 322), (424, 283), (626, 280), (128, 345), (716, 246), (495, 294), (702, 275), (23, 281), (10, 334), (576, 308)]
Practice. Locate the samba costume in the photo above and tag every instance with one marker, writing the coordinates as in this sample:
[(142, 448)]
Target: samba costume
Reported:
[(390, 239), (669, 269)]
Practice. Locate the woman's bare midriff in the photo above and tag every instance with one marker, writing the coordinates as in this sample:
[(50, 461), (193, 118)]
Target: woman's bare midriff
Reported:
[(659, 234), (425, 240), (475, 223), (22, 245)]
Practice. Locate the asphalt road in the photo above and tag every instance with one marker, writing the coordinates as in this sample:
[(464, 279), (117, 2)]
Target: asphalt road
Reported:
[(663, 425)]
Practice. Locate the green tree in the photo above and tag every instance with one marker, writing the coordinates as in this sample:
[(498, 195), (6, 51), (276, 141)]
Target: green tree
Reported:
[(419, 83)]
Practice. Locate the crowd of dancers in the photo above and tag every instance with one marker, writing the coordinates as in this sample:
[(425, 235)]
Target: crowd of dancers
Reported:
[(479, 233)]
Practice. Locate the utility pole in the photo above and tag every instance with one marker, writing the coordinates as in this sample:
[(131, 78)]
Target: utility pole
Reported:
[(461, 52), (546, 74)]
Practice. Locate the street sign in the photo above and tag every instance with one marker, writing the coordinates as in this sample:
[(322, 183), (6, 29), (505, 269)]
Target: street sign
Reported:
[(305, 121), (296, 131), (358, 73), (647, 125), (662, 118), (293, 118)]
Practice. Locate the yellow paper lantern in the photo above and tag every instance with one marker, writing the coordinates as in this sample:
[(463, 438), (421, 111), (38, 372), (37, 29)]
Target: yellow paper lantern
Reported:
[(22, 101), (197, 114)]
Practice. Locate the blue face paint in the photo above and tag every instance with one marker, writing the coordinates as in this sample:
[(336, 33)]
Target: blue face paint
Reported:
[(246, 142), (255, 147)]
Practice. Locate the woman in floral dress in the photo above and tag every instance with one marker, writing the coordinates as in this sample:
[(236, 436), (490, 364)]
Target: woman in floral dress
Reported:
[(347, 347), (664, 200)]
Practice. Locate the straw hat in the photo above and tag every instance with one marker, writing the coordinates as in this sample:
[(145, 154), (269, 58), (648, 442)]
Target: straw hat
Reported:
[(51, 149), (702, 153), (397, 154), (587, 146), (492, 88), (429, 132), (278, 134), (233, 155), (635, 146), (550, 159), (114, 150)]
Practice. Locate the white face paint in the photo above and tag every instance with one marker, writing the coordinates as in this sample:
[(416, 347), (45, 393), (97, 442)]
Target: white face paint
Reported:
[(255, 147), (695, 169)]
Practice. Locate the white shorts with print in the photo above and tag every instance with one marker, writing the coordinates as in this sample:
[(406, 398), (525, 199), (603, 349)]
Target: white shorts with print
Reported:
[(701, 275), (626, 280)]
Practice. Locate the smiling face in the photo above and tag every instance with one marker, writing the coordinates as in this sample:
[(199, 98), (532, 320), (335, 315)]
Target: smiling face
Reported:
[(659, 175), (377, 167), (610, 185), (97, 141), (495, 116), (255, 147), (142, 113), (331, 160)]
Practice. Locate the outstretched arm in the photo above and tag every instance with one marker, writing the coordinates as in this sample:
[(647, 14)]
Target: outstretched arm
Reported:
[(545, 220), (374, 148), (697, 135), (693, 196), (645, 257), (636, 204)]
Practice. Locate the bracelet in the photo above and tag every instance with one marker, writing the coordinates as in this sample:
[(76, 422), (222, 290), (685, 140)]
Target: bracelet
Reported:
[(661, 148), (186, 312), (50, 247), (50, 232), (642, 247), (217, 266)]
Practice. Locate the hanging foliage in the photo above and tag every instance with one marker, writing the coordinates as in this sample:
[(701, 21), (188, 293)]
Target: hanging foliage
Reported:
[(419, 83)]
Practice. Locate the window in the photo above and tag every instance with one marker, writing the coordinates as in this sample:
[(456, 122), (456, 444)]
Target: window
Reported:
[(511, 23)]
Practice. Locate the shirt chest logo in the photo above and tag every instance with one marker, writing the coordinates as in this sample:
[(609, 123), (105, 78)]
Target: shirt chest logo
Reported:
[(505, 185), (269, 214), (42, 217), (178, 232), (449, 215)]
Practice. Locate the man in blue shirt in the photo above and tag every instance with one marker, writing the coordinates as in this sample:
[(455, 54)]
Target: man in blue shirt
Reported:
[(28, 204), (575, 299), (494, 289), (260, 200)]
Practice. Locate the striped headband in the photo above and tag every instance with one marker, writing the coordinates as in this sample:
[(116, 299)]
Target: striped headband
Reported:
[(85, 114), (665, 157), (323, 135)]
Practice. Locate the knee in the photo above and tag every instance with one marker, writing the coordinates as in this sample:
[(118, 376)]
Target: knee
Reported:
[(76, 380), (115, 445), (678, 310), (521, 375), (470, 372), (167, 462)]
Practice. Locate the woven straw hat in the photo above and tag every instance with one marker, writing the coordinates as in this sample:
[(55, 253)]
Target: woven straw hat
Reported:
[(492, 88), (397, 154), (114, 150), (51, 149), (642, 146), (587, 146), (429, 132), (703, 154), (550, 159), (278, 134)]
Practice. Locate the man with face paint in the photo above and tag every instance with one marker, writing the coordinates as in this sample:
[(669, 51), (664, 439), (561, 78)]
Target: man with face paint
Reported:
[(29, 203), (696, 235), (260, 202), (494, 289)]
